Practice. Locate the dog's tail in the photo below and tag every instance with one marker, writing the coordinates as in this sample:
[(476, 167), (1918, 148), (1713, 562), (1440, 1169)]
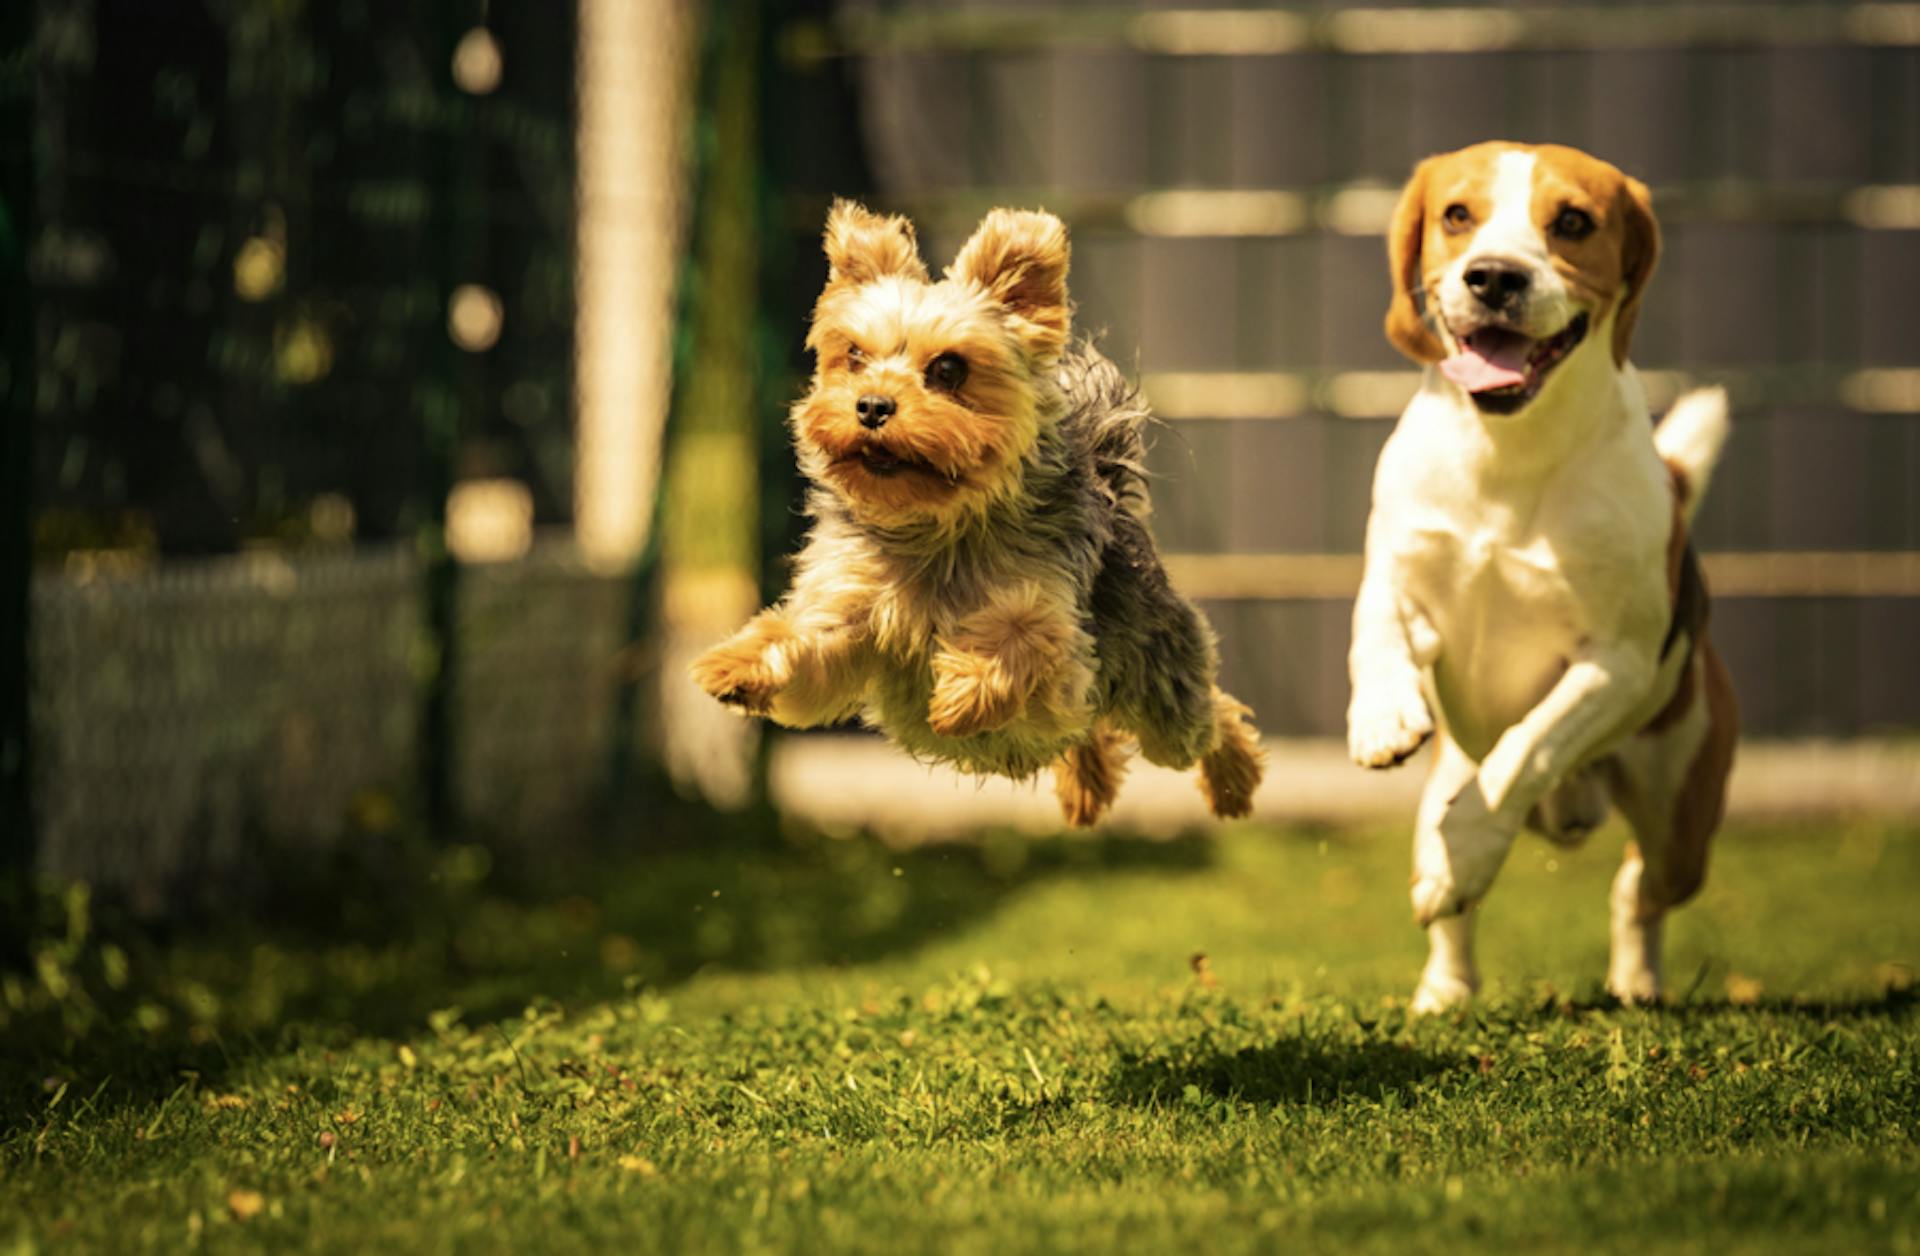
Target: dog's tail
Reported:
[(1691, 437)]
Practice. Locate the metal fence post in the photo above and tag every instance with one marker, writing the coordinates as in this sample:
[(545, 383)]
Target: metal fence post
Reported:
[(450, 394), (18, 354)]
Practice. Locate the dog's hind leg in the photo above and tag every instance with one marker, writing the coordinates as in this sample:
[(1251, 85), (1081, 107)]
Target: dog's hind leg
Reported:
[(1158, 663), (1231, 771), (1451, 976), (1670, 782), (1086, 779), (1156, 652)]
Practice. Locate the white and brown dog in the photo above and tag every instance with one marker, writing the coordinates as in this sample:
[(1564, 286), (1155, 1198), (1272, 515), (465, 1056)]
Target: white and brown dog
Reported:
[(1530, 594)]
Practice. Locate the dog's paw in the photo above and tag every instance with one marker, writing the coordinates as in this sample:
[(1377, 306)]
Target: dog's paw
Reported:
[(741, 674), (1084, 795), (1633, 984), (1385, 726), (1440, 992), (971, 694)]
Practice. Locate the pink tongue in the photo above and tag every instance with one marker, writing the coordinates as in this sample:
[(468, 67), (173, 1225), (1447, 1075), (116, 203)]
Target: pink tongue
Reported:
[(1490, 358)]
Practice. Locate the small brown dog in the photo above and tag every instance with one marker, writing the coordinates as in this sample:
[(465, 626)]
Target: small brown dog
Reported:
[(980, 583)]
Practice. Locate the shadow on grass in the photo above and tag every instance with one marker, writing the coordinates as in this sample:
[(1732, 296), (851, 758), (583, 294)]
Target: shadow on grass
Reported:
[(377, 943), (1291, 1071), (1892, 1003)]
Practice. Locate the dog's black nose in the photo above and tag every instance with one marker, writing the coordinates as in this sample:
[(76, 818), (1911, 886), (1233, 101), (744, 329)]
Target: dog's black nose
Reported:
[(874, 410), (1496, 284)]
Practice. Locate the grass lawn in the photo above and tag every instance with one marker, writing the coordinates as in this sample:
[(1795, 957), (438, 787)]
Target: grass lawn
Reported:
[(813, 1044)]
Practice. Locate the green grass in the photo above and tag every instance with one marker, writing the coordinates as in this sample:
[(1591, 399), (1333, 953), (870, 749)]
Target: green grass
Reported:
[(818, 1044)]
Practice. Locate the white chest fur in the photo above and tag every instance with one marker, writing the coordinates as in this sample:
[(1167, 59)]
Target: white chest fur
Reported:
[(1519, 542)]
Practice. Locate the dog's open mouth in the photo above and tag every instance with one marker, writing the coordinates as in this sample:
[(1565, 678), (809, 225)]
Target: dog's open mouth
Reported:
[(885, 463), (1503, 369)]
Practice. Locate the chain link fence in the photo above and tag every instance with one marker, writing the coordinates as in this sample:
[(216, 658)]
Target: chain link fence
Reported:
[(304, 471)]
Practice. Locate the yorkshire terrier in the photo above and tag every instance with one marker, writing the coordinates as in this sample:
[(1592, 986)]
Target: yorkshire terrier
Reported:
[(980, 583)]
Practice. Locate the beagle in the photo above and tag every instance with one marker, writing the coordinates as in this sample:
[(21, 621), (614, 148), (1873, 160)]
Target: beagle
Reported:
[(1530, 598)]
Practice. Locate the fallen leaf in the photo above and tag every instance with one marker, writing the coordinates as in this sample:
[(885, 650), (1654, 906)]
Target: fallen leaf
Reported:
[(245, 1205)]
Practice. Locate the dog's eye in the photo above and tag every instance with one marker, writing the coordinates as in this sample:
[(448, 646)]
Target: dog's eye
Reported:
[(856, 359), (947, 372), (1457, 217), (1573, 224)]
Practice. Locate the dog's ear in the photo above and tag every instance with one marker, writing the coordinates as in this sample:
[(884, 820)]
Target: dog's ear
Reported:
[(1639, 254), (1019, 258), (1405, 327), (863, 246)]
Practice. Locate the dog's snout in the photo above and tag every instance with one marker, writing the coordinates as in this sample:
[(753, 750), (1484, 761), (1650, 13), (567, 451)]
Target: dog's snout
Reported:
[(874, 410), (1497, 284)]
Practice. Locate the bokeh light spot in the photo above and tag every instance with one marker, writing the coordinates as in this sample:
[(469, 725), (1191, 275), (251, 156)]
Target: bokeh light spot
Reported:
[(474, 317)]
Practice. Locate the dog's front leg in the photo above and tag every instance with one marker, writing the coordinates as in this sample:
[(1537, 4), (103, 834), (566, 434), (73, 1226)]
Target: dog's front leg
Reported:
[(1592, 698), (1387, 719), (802, 663), (1024, 652), (1450, 977)]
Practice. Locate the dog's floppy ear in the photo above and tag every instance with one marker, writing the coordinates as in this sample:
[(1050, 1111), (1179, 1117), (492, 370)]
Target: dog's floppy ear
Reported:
[(863, 246), (1405, 327), (1639, 254), (1019, 258)]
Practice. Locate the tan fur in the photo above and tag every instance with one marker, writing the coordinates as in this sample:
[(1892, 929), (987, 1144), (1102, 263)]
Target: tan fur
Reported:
[(862, 246), (1023, 650), (1675, 815), (1683, 693), (740, 671), (1020, 260), (1639, 254), (798, 675), (879, 325), (1406, 325), (1610, 267), (1231, 771), (1677, 823), (1677, 537), (1086, 779), (1701, 802)]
